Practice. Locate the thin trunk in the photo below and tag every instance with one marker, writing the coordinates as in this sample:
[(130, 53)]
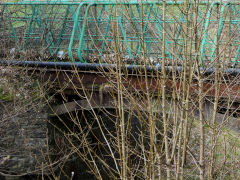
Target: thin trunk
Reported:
[(216, 98), (165, 121)]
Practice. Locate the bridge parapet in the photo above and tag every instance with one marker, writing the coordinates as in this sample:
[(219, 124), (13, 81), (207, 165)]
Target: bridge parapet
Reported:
[(97, 32)]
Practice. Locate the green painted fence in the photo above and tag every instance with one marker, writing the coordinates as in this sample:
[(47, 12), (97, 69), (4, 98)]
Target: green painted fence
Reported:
[(93, 31)]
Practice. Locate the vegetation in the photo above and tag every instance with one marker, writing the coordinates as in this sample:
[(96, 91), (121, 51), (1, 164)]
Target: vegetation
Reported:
[(174, 122)]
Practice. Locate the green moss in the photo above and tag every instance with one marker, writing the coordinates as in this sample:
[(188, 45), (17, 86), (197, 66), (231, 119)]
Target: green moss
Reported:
[(6, 96)]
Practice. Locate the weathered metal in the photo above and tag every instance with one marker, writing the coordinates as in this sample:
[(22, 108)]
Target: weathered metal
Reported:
[(72, 81)]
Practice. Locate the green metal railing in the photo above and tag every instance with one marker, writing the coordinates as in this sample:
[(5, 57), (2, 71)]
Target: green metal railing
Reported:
[(93, 31)]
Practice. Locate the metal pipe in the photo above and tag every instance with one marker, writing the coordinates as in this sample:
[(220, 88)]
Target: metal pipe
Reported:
[(105, 67)]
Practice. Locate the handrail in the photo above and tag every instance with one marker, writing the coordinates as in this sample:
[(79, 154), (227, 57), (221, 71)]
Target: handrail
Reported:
[(73, 31), (83, 32), (78, 33), (220, 28), (205, 30)]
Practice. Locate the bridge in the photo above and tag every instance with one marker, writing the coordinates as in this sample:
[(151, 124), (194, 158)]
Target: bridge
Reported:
[(90, 34), (96, 45), (98, 36)]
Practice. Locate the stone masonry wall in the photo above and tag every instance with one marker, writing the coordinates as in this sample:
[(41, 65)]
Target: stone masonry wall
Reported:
[(22, 139)]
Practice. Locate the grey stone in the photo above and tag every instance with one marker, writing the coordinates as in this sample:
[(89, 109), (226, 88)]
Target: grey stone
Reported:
[(22, 139)]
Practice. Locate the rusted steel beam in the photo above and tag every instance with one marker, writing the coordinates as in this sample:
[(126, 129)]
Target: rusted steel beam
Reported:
[(71, 80)]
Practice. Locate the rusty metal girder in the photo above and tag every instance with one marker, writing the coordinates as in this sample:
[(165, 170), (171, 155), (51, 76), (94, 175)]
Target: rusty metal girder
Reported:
[(71, 81)]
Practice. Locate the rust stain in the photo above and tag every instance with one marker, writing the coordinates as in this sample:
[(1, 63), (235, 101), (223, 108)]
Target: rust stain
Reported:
[(72, 80)]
